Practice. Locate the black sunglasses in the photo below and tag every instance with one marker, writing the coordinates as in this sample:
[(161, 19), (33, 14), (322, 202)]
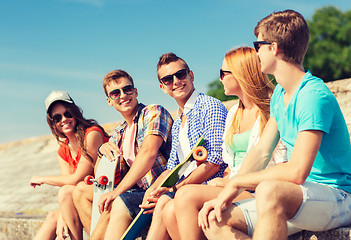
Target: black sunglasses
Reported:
[(222, 73), (58, 117), (168, 80), (116, 93), (258, 44)]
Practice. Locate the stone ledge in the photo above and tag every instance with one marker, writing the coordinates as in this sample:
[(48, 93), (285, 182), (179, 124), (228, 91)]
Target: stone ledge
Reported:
[(25, 227), (343, 233)]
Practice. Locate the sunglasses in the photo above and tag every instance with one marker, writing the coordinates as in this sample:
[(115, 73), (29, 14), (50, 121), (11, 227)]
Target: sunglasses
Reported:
[(116, 93), (58, 117), (168, 80), (223, 73), (258, 44)]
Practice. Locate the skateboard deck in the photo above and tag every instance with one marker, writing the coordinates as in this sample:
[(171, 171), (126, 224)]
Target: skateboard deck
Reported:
[(199, 154), (104, 182)]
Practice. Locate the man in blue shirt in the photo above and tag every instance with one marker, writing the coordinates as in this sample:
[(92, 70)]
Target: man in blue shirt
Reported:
[(312, 190), (198, 115)]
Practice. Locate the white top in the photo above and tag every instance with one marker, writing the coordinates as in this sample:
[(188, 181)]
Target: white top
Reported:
[(279, 154), (184, 149)]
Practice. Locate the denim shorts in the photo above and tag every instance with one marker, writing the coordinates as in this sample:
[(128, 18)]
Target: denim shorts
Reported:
[(323, 208), (132, 199)]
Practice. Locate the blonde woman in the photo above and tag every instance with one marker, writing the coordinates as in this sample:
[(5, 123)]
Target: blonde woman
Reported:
[(241, 76)]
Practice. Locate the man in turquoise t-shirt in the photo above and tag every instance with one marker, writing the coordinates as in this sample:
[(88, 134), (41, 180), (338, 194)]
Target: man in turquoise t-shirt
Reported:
[(314, 107), (312, 190)]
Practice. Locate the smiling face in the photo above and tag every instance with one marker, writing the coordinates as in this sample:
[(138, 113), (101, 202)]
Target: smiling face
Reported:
[(66, 125), (180, 90), (127, 105)]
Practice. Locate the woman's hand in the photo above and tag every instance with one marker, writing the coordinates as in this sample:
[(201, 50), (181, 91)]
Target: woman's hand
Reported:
[(36, 181), (61, 229)]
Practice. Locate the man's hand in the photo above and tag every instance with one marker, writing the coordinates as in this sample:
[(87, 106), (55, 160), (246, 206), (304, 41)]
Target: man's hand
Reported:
[(218, 205), (218, 182), (105, 200), (150, 199), (107, 149)]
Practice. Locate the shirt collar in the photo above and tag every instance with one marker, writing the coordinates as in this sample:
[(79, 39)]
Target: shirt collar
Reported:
[(135, 118), (189, 105)]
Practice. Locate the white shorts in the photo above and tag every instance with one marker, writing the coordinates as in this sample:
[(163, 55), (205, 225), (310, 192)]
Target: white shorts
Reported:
[(323, 208)]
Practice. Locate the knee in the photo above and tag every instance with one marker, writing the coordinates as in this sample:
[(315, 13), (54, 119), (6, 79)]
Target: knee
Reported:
[(65, 193), (168, 214), (52, 217), (184, 197), (161, 202), (78, 192), (267, 195)]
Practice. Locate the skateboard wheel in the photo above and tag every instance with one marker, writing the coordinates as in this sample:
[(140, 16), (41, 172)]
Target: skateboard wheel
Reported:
[(103, 180), (88, 180), (200, 154)]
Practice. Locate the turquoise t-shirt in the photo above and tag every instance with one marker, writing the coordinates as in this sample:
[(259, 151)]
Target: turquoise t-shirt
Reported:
[(314, 107)]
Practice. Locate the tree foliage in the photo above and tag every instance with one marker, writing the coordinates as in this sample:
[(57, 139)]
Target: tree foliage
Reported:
[(216, 90), (329, 52)]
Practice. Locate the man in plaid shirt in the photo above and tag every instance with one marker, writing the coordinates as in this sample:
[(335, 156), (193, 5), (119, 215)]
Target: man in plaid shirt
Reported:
[(198, 115), (144, 141)]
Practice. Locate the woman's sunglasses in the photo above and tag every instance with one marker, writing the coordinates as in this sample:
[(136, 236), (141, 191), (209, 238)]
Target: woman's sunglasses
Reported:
[(223, 73), (258, 44), (58, 117), (116, 93), (168, 80)]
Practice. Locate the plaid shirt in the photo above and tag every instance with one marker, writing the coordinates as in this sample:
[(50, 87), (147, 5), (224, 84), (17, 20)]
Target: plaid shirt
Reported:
[(151, 119), (207, 117)]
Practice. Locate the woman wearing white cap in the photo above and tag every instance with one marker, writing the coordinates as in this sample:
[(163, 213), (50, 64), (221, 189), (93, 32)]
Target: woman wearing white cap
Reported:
[(79, 139)]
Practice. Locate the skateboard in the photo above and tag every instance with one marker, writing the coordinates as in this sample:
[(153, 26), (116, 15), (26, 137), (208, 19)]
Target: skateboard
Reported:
[(199, 154), (104, 182)]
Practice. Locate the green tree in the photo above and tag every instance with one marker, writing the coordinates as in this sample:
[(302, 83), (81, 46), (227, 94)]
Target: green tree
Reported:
[(329, 52), (216, 90)]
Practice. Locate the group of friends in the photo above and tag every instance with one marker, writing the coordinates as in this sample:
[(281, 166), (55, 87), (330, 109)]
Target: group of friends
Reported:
[(279, 161)]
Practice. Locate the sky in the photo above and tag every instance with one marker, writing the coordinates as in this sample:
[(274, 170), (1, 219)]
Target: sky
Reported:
[(70, 45)]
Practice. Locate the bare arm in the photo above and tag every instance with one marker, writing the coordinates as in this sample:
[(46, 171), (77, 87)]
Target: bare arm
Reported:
[(142, 164), (200, 174), (296, 170), (85, 167)]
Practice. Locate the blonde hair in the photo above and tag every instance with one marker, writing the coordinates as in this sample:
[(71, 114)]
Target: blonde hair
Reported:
[(245, 67)]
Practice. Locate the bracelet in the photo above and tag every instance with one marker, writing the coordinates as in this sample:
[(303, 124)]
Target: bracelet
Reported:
[(174, 188), (99, 153)]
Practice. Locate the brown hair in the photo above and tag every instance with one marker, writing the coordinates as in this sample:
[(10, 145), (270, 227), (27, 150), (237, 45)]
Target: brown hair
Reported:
[(289, 30), (114, 76), (245, 67), (81, 126), (167, 58)]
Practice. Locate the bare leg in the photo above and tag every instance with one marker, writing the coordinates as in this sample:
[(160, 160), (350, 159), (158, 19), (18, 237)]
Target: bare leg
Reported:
[(101, 226), (69, 212), (276, 202), (83, 201), (188, 202), (119, 220), (157, 228), (48, 229), (232, 226), (170, 220)]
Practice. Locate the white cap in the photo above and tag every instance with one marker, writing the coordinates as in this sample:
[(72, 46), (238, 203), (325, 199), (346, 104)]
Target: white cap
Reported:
[(57, 96)]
